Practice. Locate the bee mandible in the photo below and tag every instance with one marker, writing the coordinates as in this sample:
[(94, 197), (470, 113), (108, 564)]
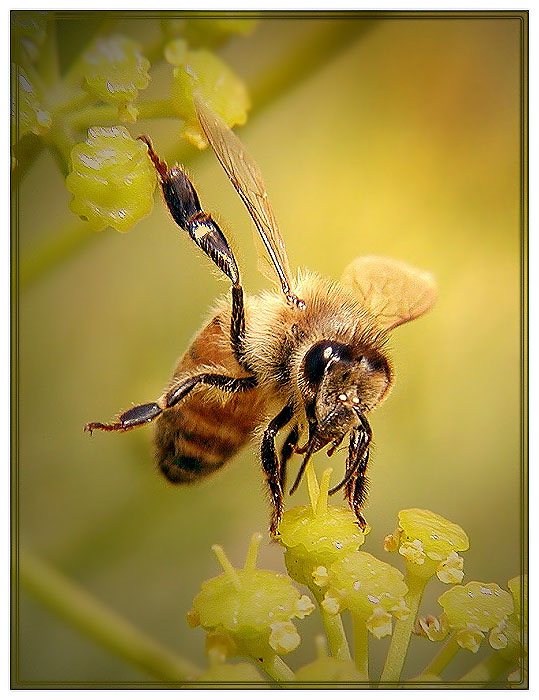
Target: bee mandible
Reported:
[(309, 357)]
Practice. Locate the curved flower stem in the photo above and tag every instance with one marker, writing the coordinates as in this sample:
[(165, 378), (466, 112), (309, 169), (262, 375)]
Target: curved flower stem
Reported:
[(361, 647), (403, 631), (95, 620), (277, 670), (487, 670), (442, 659)]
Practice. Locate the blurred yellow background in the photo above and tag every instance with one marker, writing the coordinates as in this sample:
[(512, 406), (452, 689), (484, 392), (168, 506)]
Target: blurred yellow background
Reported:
[(406, 144)]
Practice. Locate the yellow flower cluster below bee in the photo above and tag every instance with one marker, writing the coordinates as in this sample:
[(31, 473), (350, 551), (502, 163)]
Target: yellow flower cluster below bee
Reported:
[(315, 536), (474, 609), (250, 607), (429, 543), (371, 589)]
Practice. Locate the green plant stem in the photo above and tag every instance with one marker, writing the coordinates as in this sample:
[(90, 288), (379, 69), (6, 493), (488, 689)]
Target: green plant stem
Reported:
[(277, 670), (442, 659), (338, 644), (107, 115), (488, 670), (361, 647), (74, 100), (106, 627), (60, 142), (403, 631)]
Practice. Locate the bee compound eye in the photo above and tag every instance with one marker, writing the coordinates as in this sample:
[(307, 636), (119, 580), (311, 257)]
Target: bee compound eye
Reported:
[(319, 356)]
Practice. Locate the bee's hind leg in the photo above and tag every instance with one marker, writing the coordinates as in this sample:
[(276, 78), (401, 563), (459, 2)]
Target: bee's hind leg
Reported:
[(147, 412), (184, 205)]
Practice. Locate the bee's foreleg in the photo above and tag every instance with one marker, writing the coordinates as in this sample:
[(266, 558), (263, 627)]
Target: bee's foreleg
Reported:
[(355, 480), (359, 444), (287, 450), (147, 412), (270, 465)]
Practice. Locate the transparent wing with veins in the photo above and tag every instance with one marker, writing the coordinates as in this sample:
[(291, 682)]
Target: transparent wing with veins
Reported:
[(392, 291), (246, 177)]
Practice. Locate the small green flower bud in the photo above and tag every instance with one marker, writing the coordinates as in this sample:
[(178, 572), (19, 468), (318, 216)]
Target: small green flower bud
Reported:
[(429, 543), (112, 179), (115, 70), (371, 589), (206, 74), (474, 609), (32, 118), (251, 608)]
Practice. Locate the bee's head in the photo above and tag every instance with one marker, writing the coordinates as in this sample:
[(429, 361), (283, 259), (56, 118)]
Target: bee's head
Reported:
[(342, 382)]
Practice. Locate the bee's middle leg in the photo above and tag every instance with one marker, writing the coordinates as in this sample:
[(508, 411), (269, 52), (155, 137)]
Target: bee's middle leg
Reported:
[(271, 467), (147, 412)]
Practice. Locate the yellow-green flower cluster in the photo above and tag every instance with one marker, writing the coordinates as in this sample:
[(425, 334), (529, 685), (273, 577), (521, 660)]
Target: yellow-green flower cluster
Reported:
[(249, 611), (202, 72), (315, 536), (114, 71), (474, 609), (32, 117), (429, 543), (112, 179), (371, 589)]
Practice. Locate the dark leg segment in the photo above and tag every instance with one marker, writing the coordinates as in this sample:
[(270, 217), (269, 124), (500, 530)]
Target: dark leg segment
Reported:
[(355, 479), (270, 465), (237, 326), (287, 450), (146, 413), (183, 203)]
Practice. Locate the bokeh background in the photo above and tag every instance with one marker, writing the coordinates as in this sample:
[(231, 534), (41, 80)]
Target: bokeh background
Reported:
[(403, 141)]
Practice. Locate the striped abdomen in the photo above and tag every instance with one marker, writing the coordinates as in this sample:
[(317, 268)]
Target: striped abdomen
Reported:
[(208, 427)]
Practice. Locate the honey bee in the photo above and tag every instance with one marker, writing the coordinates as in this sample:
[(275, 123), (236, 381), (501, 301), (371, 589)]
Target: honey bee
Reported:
[(308, 357)]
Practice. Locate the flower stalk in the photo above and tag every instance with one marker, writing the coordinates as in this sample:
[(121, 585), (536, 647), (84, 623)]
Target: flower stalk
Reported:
[(446, 654), (403, 631), (361, 647)]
